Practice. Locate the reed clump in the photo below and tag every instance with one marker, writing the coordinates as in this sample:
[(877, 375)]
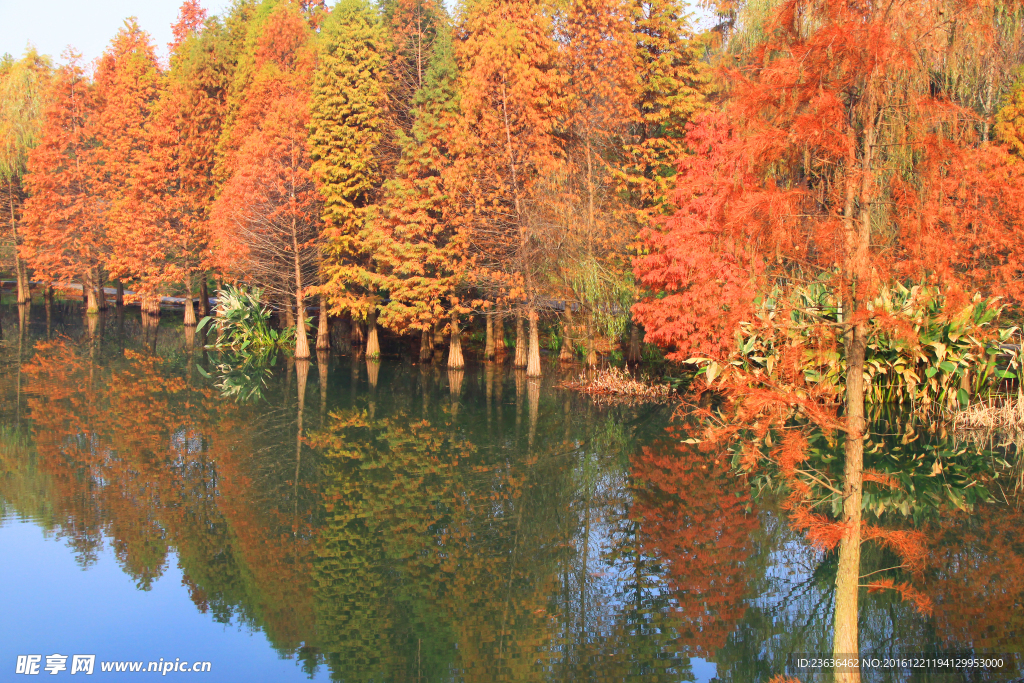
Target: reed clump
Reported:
[(998, 413), (618, 383), (998, 425)]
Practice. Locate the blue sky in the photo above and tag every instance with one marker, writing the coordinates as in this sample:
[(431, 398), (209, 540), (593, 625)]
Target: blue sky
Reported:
[(88, 26)]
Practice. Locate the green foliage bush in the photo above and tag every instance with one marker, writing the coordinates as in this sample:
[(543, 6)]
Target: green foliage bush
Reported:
[(242, 323)]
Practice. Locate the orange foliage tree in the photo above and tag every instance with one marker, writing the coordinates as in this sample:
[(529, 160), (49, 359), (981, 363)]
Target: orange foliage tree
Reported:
[(838, 161), (62, 232), (175, 188), (267, 217), (126, 88), (512, 99), (422, 257)]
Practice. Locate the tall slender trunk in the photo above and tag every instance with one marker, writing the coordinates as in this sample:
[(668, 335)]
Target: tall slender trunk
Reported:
[(857, 274), (204, 295), (533, 362), (372, 342), (489, 337), (119, 297), (426, 348), (190, 309), (499, 336), (521, 350), (323, 337), (92, 305), (301, 341), (634, 343), (20, 269), (455, 360)]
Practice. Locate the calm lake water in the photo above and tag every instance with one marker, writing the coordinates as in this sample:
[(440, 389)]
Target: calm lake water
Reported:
[(396, 522)]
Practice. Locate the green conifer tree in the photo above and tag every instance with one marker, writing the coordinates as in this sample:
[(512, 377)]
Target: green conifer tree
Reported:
[(347, 129)]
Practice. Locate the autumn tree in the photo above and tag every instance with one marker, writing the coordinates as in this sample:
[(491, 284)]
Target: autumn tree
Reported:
[(23, 85), (672, 85), (423, 255), (505, 142), (838, 160), (347, 129), (127, 84), (599, 63), (1009, 127), (175, 187), (61, 226), (412, 27), (267, 215)]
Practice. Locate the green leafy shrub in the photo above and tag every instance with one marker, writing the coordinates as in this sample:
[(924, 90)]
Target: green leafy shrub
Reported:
[(242, 323)]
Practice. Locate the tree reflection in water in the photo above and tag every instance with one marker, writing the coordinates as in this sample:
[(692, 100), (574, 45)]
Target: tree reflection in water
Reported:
[(407, 524)]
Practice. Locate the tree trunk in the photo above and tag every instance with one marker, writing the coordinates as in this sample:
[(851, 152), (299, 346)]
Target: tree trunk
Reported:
[(119, 297), (24, 287), (190, 309), (345, 333), (289, 314), (499, 336), (372, 343), (533, 362), (438, 335), (845, 637), (521, 359), (204, 296), (634, 343), (301, 342), (455, 360), (20, 269), (101, 292), (857, 273), (358, 335), (489, 337), (323, 337), (426, 347), (92, 305)]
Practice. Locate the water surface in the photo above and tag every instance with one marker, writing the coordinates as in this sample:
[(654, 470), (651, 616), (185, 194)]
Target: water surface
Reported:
[(395, 521)]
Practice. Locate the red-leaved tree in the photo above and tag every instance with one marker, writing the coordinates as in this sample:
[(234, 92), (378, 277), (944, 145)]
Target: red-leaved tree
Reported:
[(838, 161)]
